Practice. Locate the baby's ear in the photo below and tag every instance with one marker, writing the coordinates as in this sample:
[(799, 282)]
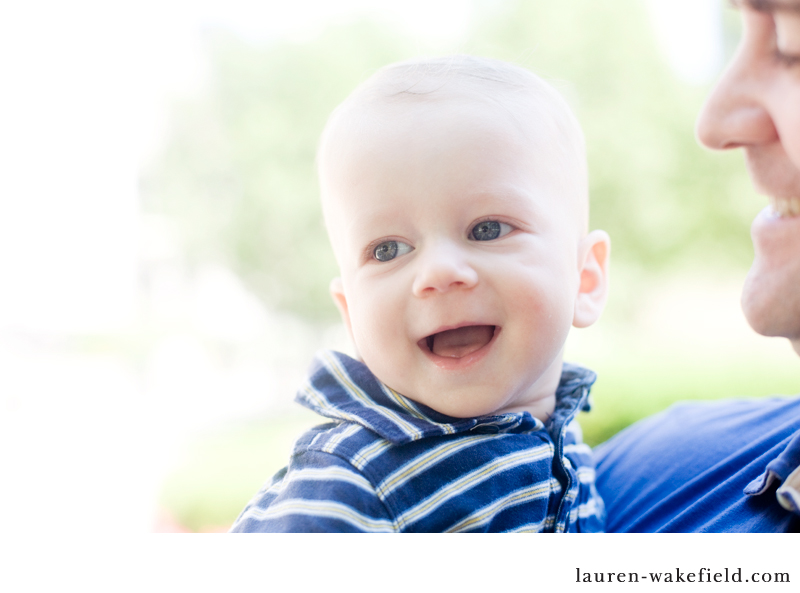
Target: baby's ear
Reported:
[(593, 290), (337, 292)]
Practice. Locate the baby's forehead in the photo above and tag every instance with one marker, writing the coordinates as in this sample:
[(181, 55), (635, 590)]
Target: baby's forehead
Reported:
[(477, 94)]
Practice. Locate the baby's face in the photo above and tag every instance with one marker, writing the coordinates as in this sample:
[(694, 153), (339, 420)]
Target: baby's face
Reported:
[(459, 259)]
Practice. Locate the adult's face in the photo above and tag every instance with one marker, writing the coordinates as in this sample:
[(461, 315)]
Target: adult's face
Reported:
[(756, 107)]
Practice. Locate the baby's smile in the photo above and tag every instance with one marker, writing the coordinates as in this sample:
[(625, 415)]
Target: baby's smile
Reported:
[(459, 341), (458, 348)]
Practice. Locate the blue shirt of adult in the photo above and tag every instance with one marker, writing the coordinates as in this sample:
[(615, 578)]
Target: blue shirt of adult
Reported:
[(704, 467)]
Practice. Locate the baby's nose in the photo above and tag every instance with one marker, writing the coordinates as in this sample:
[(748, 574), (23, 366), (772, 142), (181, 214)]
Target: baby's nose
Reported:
[(441, 269)]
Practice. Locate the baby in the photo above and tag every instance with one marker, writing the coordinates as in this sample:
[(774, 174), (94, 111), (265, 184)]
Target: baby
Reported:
[(455, 196)]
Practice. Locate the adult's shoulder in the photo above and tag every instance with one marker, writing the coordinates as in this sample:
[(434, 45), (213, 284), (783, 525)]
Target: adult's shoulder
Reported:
[(718, 425), (661, 473)]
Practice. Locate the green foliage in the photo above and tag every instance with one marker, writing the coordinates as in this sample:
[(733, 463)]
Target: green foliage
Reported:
[(238, 172), (637, 386), (221, 470)]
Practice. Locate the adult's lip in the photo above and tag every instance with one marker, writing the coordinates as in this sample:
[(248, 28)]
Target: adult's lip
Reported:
[(773, 232), (458, 346)]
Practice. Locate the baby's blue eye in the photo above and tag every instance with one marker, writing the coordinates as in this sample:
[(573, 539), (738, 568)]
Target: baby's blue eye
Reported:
[(489, 230), (388, 250)]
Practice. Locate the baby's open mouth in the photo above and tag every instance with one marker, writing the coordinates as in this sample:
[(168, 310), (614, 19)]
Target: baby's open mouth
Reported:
[(459, 342)]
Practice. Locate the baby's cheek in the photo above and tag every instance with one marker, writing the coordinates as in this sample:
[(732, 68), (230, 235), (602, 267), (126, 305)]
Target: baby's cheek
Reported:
[(378, 331), (546, 307)]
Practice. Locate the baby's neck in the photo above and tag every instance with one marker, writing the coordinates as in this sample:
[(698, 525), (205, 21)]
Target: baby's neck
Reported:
[(539, 399), (541, 408)]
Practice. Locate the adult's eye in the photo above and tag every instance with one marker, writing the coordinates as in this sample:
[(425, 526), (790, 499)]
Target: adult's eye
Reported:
[(489, 230), (388, 250)]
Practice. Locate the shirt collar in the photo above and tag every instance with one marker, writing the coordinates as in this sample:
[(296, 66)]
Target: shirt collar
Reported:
[(344, 389), (784, 468)]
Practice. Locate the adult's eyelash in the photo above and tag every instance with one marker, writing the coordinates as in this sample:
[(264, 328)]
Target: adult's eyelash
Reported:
[(786, 60)]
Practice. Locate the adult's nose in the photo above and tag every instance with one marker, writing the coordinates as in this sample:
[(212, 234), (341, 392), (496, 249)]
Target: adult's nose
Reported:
[(736, 112), (443, 267)]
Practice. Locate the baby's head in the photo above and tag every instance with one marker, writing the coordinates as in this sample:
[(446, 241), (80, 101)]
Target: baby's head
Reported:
[(455, 196)]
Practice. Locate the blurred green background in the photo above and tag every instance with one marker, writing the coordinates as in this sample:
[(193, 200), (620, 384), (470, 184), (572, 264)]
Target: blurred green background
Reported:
[(236, 178)]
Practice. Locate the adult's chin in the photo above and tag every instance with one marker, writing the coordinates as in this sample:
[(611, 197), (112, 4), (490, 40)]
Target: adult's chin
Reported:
[(771, 302), (771, 293)]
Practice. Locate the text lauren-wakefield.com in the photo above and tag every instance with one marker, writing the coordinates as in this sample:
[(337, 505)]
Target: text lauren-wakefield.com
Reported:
[(704, 575)]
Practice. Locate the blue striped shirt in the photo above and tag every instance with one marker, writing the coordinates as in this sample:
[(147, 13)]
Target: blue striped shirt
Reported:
[(385, 463)]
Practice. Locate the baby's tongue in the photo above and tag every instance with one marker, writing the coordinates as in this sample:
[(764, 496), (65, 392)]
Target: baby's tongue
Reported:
[(455, 343)]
